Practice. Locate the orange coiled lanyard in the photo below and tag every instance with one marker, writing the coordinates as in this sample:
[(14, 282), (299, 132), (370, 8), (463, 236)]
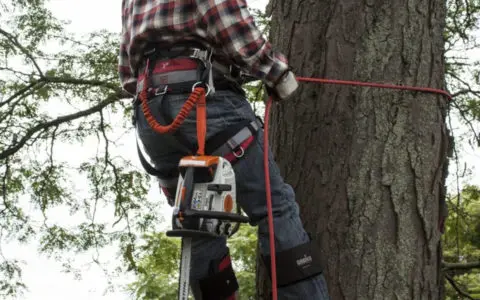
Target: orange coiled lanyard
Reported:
[(197, 97)]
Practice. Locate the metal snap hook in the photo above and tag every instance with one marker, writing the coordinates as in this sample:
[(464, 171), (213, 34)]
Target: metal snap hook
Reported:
[(157, 93), (206, 85)]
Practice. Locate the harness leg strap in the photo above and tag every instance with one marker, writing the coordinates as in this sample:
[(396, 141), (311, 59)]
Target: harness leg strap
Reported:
[(296, 264), (221, 283), (169, 194)]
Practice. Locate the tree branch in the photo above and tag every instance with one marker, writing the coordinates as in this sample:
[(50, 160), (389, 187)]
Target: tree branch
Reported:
[(469, 123), (459, 266), (55, 122), (19, 93), (17, 44), (66, 80), (76, 81), (457, 288)]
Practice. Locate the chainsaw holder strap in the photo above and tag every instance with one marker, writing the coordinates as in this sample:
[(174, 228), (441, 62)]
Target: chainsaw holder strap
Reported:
[(296, 264), (232, 143)]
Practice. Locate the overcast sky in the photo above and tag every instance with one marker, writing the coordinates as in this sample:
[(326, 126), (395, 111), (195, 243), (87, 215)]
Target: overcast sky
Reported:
[(43, 276)]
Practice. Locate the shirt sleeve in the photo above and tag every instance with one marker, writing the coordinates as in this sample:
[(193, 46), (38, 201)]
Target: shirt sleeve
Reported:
[(231, 25), (127, 79)]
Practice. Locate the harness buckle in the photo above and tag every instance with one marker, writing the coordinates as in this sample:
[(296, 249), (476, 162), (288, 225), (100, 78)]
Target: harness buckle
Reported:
[(200, 54), (242, 152)]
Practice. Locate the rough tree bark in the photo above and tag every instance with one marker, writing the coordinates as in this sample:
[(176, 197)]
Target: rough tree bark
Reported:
[(368, 165)]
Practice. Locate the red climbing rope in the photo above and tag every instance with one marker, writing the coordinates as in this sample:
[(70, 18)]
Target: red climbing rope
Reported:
[(377, 85), (266, 152), (269, 200)]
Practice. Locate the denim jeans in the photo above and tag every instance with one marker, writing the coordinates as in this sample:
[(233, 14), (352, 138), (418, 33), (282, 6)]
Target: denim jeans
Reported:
[(226, 108)]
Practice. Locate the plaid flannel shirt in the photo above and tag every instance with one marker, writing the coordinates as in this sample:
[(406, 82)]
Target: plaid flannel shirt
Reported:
[(225, 25)]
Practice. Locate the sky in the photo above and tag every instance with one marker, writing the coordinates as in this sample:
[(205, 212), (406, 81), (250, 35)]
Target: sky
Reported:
[(44, 276)]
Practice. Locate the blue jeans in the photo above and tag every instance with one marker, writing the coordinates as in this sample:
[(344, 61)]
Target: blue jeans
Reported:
[(226, 108)]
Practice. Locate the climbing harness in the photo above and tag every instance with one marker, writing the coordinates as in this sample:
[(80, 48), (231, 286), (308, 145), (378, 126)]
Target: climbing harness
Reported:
[(176, 71), (205, 201)]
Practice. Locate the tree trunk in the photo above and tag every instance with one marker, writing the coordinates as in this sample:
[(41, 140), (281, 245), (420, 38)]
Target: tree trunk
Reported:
[(367, 164)]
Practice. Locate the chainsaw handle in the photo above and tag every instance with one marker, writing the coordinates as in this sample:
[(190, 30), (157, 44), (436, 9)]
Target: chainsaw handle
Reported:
[(187, 190)]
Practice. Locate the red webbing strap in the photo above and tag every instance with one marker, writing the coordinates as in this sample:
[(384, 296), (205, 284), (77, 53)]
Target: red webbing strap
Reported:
[(201, 123)]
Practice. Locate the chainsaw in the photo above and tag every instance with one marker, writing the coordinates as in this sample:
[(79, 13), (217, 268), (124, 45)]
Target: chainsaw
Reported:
[(205, 206)]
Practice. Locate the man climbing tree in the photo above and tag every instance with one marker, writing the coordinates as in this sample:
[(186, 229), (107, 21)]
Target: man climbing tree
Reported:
[(168, 48), (368, 165)]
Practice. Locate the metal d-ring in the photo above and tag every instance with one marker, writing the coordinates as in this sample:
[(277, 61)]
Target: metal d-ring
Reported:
[(199, 82), (157, 93), (242, 152)]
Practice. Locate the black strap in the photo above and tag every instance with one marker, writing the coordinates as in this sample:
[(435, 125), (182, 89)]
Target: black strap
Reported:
[(219, 286), (148, 168), (296, 264), (220, 138)]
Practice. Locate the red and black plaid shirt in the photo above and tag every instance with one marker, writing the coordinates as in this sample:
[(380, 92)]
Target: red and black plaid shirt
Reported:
[(226, 25)]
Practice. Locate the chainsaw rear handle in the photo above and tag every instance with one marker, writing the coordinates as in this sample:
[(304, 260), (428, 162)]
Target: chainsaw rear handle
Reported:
[(187, 192)]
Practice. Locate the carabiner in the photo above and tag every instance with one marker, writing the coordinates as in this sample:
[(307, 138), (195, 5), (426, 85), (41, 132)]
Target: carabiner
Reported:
[(206, 85), (157, 93)]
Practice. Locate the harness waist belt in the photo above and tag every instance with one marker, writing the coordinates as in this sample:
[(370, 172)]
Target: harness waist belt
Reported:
[(202, 55)]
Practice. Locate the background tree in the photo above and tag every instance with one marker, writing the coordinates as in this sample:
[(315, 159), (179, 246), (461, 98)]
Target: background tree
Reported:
[(60, 121), (368, 165)]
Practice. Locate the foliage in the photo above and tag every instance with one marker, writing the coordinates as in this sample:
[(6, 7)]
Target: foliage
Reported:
[(462, 242), (462, 73), (57, 94), (159, 262)]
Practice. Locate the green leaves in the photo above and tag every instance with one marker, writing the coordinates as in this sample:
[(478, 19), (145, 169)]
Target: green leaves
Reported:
[(462, 241), (160, 258), (11, 284), (243, 248), (60, 122)]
